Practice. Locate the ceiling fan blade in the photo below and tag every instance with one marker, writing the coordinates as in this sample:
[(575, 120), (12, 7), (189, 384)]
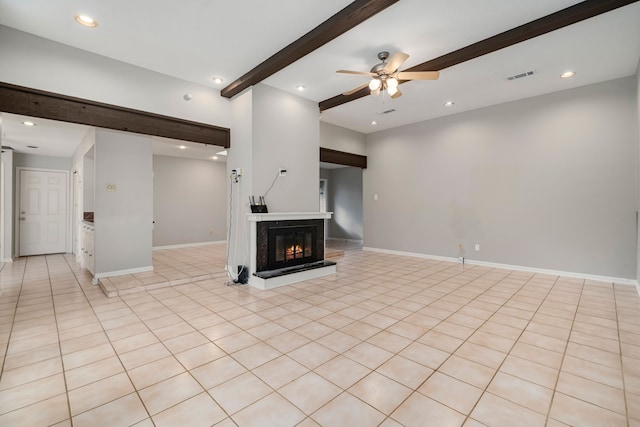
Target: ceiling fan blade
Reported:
[(418, 75), (362, 86), (397, 94), (359, 73), (395, 62)]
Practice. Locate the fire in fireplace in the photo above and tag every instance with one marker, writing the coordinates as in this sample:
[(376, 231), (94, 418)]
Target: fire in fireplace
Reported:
[(283, 244), (292, 245)]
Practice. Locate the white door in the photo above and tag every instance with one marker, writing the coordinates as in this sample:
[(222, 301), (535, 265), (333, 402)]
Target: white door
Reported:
[(43, 212)]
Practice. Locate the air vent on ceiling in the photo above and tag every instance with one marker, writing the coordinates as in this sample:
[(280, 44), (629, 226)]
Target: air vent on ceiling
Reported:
[(521, 75), (389, 111)]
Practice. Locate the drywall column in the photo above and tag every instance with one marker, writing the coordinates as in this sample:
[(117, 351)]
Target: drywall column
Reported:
[(638, 175), (7, 214), (123, 203), (271, 129)]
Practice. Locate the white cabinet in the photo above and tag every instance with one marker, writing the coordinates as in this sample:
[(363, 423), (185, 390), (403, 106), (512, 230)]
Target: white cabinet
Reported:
[(88, 260)]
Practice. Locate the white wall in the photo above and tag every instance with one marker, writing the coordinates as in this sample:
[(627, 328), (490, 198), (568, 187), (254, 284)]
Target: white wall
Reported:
[(548, 182), (286, 134), (344, 199), (7, 214), (638, 175), (123, 218), (342, 139), (189, 201), (240, 156), (41, 162), (35, 62)]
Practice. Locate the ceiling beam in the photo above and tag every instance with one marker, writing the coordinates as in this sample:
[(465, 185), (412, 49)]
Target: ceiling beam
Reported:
[(565, 17), (328, 155), (47, 105), (349, 17)]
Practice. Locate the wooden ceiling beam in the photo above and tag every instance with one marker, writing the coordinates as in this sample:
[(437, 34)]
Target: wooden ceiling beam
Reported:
[(565, 17), (349, 17), (47, 105)]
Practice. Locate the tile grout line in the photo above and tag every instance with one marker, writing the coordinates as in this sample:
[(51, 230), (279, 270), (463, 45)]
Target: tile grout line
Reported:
[(564, 354), (624, 384), (114, 350)]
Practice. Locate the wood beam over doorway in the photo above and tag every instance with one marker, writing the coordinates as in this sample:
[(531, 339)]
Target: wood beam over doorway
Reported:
[(342, 158), (565, 17), (47, 105), (349, 17)]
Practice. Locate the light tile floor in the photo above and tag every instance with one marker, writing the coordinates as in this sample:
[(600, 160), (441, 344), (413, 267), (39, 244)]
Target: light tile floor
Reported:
[(388, 341)]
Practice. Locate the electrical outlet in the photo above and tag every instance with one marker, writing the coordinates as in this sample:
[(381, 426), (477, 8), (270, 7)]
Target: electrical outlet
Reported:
[(461, 259), (282, 172)]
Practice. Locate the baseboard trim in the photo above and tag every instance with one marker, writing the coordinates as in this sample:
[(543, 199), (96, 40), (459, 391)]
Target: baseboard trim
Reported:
[(8, 260), (190, 245), (617, 280)]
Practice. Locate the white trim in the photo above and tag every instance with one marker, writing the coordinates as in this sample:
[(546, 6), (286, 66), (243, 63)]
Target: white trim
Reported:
[(190, 245), (6, 260), (282, 216), (121, 272), (617, 280)]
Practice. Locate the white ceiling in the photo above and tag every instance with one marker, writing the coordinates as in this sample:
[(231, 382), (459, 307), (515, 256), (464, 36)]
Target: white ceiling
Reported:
[(197, 39)]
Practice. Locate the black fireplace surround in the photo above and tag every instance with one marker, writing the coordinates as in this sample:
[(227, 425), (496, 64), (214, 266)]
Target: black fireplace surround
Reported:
[(289, 243)]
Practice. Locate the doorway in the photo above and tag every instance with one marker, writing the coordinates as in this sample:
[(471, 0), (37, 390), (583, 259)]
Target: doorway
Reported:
[(323, 205), (43, 211)]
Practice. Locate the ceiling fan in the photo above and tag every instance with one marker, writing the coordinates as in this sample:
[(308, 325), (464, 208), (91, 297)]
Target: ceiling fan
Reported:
[(385, 75)]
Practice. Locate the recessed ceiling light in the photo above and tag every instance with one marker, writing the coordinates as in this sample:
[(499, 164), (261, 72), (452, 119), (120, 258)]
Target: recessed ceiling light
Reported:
[(222, 153), (214, 157), (86, 20), (217, 80), (568, 74), (373, 123), (28, 123), (187, 97), (300, 88), (449, 104), (182, 147)]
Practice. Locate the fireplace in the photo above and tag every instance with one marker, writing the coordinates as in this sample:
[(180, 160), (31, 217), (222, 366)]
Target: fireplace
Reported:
[(286, 248), (289, 243)]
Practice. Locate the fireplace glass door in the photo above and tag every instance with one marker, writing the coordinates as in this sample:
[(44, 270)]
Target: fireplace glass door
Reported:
[(291, 245)]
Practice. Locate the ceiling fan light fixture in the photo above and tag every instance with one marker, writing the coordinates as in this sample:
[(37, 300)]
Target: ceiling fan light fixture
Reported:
[(392, 83), (375, 83), (392, 90)]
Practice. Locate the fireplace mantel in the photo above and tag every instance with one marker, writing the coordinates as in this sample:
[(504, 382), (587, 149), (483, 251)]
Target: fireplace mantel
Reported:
[(281, 216)]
